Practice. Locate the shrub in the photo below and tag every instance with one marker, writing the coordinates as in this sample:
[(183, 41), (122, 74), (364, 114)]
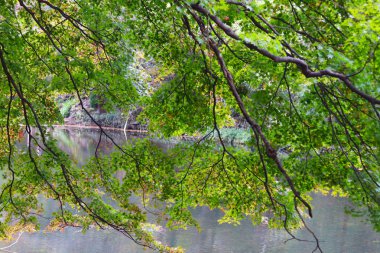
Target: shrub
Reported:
[(235, 135), (66, 107)]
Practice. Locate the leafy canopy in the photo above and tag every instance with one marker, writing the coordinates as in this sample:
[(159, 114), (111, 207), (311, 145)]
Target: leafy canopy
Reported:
[(303, 75)]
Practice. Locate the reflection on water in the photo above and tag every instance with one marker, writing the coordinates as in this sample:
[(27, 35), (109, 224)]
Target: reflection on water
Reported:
[(338, 232)]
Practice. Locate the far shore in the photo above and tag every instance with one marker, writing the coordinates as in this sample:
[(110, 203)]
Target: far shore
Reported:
[(96, 127)]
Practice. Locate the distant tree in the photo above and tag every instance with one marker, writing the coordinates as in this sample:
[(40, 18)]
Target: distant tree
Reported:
[(303, 74)]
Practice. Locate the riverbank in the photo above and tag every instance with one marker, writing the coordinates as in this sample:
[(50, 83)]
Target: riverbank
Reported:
[(73, 114), (74, 117), (104, 127)]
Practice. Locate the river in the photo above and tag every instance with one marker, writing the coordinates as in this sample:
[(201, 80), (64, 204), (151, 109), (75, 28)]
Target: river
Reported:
[(337, 231)]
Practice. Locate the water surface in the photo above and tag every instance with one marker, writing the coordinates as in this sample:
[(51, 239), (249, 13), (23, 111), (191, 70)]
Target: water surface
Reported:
[(337, 231)]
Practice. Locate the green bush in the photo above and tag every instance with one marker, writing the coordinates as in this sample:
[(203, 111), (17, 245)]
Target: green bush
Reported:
[(66, 107), (235, 135), (94, 100), (97, 100), (105, 119), (110, 119)]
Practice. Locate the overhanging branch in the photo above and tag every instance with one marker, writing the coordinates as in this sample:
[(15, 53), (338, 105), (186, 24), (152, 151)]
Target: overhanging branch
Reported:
[(302, 65)]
